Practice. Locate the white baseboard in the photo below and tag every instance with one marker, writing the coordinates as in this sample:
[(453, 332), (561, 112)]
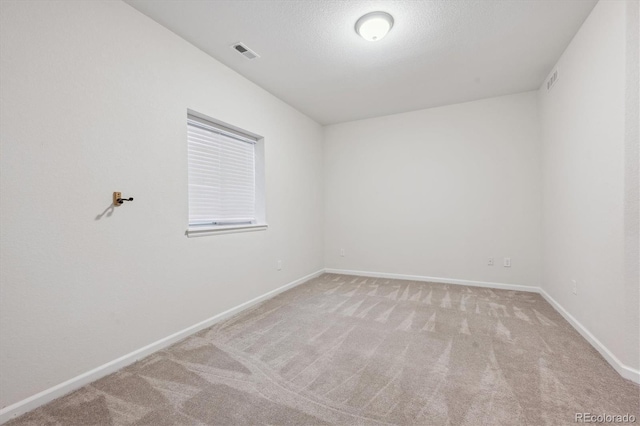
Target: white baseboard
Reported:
[(622, 369), (77, 382), (500, 286)]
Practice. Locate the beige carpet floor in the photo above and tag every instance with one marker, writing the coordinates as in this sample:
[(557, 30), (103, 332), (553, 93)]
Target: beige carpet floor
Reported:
[(351, 350)]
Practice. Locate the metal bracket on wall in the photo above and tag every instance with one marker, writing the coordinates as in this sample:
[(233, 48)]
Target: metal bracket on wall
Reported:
[(118, 200)]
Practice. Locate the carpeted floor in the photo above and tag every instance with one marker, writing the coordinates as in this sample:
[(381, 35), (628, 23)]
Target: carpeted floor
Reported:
[(352, 350)]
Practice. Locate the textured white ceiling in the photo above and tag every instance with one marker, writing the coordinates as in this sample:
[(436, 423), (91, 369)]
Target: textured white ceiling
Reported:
[(438, 52)]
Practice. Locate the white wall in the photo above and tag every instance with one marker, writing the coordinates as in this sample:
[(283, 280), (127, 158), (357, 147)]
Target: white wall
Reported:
[(587, 132), (94, 100), (437, 192), (632, 185)]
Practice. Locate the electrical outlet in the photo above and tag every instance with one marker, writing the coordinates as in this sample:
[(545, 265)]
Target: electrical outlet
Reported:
[(507, 262), (574, 286), (490, 262), (279, 265), (341, 252)]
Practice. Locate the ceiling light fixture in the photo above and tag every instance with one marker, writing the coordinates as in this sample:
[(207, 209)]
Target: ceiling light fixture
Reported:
[(374, 26)]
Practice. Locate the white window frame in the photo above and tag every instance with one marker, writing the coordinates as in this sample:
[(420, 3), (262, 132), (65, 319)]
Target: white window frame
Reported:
[(260, 222)]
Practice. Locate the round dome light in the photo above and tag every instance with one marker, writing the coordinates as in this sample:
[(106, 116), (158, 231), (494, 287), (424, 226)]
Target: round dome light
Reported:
[(374, 26)]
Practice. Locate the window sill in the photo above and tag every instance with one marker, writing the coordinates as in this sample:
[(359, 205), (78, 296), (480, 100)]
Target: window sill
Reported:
[(203, 231)]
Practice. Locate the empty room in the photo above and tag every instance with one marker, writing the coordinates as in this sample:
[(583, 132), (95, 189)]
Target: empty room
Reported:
[(280, 212)]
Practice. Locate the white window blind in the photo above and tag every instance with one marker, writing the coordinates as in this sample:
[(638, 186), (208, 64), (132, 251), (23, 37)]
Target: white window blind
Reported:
[(221, 175)]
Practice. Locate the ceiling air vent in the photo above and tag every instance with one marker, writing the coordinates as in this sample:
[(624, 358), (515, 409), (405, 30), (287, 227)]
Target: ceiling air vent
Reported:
[(552, 79), (245, 51)]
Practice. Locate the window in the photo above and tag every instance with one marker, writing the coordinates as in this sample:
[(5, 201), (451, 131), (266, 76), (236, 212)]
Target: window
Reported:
[(225, 178)]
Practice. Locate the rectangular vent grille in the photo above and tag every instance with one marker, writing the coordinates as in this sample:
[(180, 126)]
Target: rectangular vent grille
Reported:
[(552, 80), (244, 51)]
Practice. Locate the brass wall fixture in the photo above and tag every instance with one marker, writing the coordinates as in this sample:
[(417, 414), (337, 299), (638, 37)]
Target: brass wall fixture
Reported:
[(118, 200)]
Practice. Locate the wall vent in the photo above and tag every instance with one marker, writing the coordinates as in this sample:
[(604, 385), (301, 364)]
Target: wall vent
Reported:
[(551, 81), (244, 51)]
